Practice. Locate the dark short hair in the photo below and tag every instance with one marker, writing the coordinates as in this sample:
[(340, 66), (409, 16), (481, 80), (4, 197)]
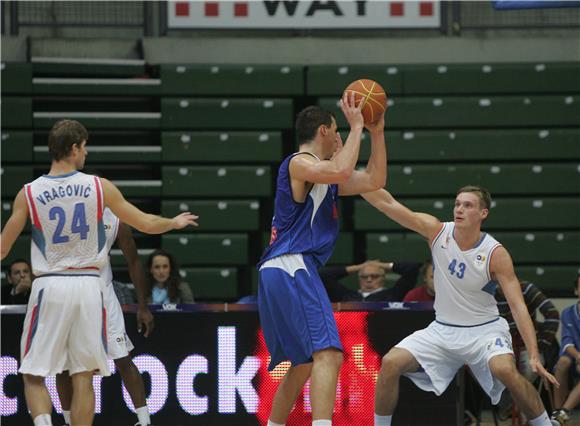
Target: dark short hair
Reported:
[(63, 135), (309, 120), (482, 193), (14, 262)]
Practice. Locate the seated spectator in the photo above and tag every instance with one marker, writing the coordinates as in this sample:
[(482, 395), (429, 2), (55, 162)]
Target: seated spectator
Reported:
[(371, 275), (19, 277), (426, 292), (165, 283), (545, 332), (564, 400)]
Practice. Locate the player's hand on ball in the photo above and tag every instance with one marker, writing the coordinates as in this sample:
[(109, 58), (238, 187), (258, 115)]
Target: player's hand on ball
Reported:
[(351, 111), (184, 219), (378, 126)]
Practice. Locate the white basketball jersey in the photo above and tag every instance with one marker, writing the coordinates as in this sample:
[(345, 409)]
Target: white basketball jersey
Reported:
[(464, 290), (68, 234), (111, 223)]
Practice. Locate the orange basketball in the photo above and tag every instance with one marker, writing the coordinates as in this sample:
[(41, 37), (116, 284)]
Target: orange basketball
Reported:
[(373, 97)]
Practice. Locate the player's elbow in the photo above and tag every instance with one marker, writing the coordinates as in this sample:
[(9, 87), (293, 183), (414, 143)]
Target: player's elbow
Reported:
[(378, 182)]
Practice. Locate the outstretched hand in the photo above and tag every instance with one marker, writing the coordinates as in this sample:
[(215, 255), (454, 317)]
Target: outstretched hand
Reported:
[(184, 219), (351, 111)]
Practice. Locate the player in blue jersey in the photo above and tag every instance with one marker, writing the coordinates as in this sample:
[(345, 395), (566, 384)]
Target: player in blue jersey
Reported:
[(295, 312), (565, 400)]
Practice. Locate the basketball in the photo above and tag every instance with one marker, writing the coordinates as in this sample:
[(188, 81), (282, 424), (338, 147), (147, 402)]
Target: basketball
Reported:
[(373, 97)]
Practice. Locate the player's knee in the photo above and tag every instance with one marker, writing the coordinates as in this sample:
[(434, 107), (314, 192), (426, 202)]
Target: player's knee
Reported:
[(506, 372), (31, 380), (329, 357), (390, 365)]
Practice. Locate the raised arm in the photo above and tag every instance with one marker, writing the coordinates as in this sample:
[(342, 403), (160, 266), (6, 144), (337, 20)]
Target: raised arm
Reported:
[(375, 175), (425, 224), (144, 222), (15, 224), (502, 269), (338, 169), (126, 243)]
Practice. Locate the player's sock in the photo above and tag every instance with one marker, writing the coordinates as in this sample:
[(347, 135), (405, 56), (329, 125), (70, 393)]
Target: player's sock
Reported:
[(143, 416), (542, 420), (66, 415), (43, 420), (383, 420), (271, 423), (322, 423)]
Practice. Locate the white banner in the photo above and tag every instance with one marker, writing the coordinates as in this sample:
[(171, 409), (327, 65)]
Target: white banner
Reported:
[(296, 14)]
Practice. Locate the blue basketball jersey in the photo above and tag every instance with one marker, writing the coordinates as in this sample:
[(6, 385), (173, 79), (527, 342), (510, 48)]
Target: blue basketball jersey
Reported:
[(309, 228)]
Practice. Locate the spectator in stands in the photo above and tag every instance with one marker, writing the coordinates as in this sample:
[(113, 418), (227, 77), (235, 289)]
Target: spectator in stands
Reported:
[(565, 401), (371, 276), (545, 331), (426, 292), (19, 278), (166, 285)]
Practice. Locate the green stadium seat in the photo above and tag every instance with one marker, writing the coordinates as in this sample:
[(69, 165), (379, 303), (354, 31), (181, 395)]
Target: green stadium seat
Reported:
[(396, 246), (139, 188), (101, 120), (480, 145), (524, 247), (16, 113), (211, 283), (542, 247), (224, 215), (343, 253), (99, 154), (87, 67), (216, 181), (96, 86), (492, 78), (16, 78), (118, 259), (506, 213), (324, 80), (550, 279), (222, 114), (215, 147), (229, 80), (16, 146), (499, 179), (459, 112), (14, 178), (207, 249)]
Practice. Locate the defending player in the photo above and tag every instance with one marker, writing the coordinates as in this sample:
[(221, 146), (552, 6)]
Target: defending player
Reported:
[(468, 330), (118, 343), (295, 312), (64, 326)]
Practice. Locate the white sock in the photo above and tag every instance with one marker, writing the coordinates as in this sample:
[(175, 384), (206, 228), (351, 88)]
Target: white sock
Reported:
[(383, 420), (271, 423), (43, 420), (66, 415), (143, 416), (541, 420), (322, 423)]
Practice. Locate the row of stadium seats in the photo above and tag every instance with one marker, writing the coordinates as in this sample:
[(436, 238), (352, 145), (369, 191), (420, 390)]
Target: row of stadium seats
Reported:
[(256, 180), (277, 113), (314, 80), (264, 147)]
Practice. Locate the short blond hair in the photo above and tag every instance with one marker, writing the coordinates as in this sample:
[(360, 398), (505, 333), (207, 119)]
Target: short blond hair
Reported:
[(482, 193)]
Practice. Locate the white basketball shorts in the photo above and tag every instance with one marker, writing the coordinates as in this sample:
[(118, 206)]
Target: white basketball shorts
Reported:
[(119, 343)]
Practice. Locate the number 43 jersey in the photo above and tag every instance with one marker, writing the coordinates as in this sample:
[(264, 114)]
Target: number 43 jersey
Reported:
[(68, 235), (464, 289)]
